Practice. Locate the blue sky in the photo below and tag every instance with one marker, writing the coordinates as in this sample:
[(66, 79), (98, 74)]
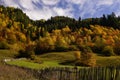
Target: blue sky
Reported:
[(44, 9)]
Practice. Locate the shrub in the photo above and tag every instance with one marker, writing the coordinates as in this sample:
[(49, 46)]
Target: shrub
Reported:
[(84, 48), (43, 46), (4, 45), (97, 49), (77, 55), (87, 59), (28, 52), (99, 44), (36, 59), (108, 51), (24, 53), (21, 53), (73, 48), (117, 48), (61, 48), (61, 44), (17, 46)]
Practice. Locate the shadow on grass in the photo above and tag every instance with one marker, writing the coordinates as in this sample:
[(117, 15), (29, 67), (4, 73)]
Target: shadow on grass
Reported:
[(68, 62)]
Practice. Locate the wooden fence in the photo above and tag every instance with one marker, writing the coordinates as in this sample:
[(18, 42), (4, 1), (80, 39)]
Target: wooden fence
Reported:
[(96, 73)]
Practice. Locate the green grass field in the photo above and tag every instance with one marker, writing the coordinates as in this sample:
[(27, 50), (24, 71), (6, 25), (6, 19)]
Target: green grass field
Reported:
[(58, 56), (48, 60), (54, 59), (34, 65), (108, 61), (69, 57), (7, 54)]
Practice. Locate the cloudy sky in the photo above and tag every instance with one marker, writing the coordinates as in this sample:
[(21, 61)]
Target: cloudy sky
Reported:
[(44, 9)]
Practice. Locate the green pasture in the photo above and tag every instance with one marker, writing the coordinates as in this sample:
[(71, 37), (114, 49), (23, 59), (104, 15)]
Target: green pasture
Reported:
[(54, 59), (34, 65)]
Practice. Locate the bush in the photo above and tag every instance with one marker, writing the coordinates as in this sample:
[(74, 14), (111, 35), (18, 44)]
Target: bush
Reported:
[(108, 51), (73, 48), (35, 59), (77, 55), (117, 48), (43, 47), (4, 45), (61, 48), (84, 48), (87, 59), (97, 49), (28, 52)]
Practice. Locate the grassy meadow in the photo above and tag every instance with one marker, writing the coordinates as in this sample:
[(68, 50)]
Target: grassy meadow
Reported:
[(60, 59), (53, 59)]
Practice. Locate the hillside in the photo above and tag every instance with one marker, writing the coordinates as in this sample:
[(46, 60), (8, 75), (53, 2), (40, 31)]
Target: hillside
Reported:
[(59, 40), (28, 37)]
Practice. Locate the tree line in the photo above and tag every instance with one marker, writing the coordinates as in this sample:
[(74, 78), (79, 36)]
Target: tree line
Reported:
[(58, 22)]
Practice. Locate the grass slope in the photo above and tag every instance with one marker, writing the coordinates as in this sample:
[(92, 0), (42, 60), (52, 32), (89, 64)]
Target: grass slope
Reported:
[(49, 60), (34, 65), (7, 54), (108, 61), (54, 59), (58, 56)]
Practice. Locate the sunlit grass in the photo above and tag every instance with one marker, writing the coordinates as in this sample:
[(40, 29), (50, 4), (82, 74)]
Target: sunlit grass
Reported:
[(7, 54), (32, 65), (55, 58), (58, 56), (24, 64), (108, 61)]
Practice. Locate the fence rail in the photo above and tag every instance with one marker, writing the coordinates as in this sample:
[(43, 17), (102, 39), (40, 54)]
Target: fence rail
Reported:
[(66, 73), (96, 73)]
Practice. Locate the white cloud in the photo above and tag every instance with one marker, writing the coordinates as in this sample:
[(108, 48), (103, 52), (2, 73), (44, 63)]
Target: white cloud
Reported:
[(44, 13), (35, 1), (27, 4), (50, 2), (105, 2), (64, 11), (98, 2), (59, 11), (76, 1), (12, 3), (44, 9)]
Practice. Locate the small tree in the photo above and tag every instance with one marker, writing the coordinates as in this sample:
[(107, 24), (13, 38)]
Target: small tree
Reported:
[(77, 55), (87, 58), (108, 51), (28, 52), (117, 48), (4, 45)]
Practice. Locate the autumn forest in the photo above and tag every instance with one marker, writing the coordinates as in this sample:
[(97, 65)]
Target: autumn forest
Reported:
[(99, 35)]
